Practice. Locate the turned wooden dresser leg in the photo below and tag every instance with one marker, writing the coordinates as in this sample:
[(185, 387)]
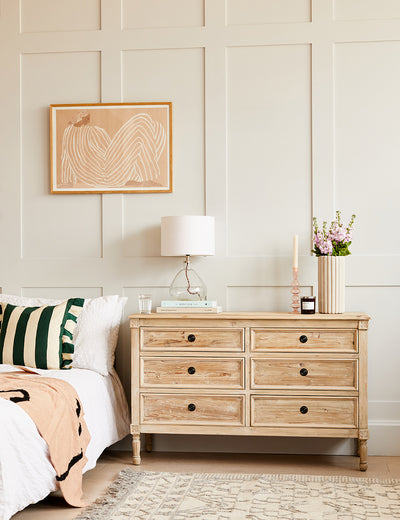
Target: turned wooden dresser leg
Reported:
[(136, 448), (148, 442), (362, 450)]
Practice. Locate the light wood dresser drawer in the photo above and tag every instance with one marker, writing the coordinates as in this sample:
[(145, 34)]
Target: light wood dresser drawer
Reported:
[(187, 372), (264, 340), (319, 412), (192, 339), (192, 409), (294, 372)]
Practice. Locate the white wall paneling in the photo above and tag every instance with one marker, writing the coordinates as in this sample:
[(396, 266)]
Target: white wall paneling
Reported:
[(159, 13), (366, 10), (322, 85), (384, 308), (215, 130), (384, 391), (282, 109), (10, 135), (367, 111), (267, 11), (175, 75), (266, 298), (55, 226), (269, 149), (58, 15), (61, 292)]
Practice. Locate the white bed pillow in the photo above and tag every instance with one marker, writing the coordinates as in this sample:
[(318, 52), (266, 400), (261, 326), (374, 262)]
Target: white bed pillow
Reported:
[(96, 333), (25, 301)]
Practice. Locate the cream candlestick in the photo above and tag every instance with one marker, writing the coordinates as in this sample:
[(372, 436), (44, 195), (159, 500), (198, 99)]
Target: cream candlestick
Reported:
[(295, 251)]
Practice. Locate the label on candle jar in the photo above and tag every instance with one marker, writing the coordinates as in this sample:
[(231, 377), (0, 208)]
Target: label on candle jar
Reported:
[(307, 306)]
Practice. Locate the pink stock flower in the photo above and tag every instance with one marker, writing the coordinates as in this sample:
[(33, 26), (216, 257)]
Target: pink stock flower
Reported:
[(334, 241), (338, 233)]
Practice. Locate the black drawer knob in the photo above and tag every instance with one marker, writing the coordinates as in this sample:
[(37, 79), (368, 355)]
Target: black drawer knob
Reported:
[(303, 339), (191, 338), (191, 370), (303, 372), (303, 409), (191, 407)]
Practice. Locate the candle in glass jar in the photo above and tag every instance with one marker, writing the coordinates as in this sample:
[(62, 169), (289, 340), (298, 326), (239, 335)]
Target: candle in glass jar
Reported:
[(295, 252), (308, 305)]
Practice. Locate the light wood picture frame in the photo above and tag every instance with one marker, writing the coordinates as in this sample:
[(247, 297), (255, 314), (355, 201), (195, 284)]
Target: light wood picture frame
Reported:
[(111, 148)]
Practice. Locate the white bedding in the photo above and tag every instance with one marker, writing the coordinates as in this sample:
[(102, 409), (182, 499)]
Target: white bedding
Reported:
[(26, 474)]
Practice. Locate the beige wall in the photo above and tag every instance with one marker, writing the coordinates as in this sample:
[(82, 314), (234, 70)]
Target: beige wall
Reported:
[(282, 109)]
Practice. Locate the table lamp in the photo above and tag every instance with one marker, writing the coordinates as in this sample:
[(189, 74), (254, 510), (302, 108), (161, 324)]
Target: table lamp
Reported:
[(186, 236)]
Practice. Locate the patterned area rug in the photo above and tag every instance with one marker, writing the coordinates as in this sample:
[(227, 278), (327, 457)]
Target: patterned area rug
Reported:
[(202, 496)]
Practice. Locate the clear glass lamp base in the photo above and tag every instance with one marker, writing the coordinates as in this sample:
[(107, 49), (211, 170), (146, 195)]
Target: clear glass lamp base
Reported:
[(187, 285)]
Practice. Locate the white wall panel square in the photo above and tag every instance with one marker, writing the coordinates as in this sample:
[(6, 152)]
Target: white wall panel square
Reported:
[(269, 299), (62, 292), (59, 15), (175, 75), (162, 13), (366, 9), (367, 162), (269, 149), (383, 305), (267, 11), (55, 225)]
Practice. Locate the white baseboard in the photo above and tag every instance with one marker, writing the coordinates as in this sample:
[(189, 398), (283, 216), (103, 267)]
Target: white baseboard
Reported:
[(384, 438), (384, 441)]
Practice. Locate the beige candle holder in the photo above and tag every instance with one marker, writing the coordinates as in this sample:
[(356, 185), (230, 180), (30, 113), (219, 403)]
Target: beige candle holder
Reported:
[(295, 292)]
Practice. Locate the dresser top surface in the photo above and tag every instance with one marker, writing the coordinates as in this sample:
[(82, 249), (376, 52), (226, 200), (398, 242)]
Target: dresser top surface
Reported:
[(244, 315)]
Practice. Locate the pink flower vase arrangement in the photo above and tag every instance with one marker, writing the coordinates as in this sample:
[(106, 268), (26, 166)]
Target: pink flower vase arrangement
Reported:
[(331, 246)]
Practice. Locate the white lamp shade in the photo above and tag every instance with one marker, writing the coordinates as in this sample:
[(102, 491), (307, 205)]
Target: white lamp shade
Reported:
[(187, 235)]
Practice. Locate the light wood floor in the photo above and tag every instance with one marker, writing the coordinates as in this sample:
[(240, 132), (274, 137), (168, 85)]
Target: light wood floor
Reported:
[(111, 463)]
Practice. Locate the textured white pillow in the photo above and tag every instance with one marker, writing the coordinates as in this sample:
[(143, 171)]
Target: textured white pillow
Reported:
[(96, 332)]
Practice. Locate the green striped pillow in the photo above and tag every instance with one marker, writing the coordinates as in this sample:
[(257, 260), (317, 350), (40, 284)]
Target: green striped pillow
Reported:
[(39, 337)]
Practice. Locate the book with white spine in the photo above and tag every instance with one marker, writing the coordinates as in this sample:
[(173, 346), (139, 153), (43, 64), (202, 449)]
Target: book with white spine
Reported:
[(191, 310), (191, 303)]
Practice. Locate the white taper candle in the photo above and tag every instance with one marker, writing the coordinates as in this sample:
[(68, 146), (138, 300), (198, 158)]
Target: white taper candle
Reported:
[(295, 251)]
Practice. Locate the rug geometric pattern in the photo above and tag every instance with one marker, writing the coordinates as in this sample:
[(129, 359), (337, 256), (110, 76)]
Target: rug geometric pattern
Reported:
[(201, 496)]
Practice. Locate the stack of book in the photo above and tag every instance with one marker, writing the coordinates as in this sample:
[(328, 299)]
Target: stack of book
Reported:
[(194, 306)]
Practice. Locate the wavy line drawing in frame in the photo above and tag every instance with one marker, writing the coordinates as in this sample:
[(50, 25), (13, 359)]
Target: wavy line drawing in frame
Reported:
[(111, 148)]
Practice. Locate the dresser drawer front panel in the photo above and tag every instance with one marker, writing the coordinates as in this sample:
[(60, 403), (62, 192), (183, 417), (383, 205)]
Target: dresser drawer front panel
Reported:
[(207, 339), (192, 373), (264, 340), (192, 409), (318, 412), (329, 374)]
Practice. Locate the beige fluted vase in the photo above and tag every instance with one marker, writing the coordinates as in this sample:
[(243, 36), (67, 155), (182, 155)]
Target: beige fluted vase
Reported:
[(331, 284)]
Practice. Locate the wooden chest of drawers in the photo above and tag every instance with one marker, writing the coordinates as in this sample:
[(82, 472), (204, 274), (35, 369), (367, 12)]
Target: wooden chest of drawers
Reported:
[(243, 373)]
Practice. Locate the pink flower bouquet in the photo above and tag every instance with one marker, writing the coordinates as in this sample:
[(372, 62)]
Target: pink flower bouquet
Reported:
[(334, 241)]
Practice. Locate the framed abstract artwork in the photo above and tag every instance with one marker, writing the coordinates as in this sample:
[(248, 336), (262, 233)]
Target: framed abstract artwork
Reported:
[(111, 148)]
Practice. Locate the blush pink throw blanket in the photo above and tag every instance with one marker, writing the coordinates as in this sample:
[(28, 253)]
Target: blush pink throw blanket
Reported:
[(55, 408)]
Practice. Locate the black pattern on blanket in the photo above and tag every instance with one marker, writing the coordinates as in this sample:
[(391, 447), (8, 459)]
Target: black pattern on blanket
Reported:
[(55, 408)]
